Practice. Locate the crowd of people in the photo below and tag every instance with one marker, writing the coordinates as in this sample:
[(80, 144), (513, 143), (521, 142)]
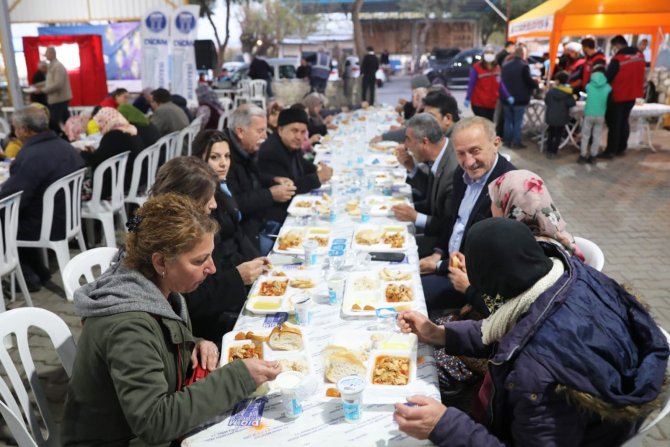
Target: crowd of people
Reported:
[(492, 245)]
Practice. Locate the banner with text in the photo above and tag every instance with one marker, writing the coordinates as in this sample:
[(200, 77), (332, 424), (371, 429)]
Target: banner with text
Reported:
[(183, 35), (155, 34)]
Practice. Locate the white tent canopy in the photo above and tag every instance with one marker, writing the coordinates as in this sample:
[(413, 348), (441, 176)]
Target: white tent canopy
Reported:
[(69, 11)]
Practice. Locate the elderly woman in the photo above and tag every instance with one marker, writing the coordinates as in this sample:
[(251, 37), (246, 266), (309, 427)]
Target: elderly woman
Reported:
[(118, 136), (317, 124), (273, 115), (573, 358), (216, 304), (136, 346), (521, 195)]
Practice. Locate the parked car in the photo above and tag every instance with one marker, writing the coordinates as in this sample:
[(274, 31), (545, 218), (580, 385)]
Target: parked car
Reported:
[(440, 58), (457, 72), (282, 68)]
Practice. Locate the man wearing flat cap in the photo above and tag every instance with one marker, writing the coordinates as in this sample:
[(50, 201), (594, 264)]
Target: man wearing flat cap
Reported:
[(281, 156)]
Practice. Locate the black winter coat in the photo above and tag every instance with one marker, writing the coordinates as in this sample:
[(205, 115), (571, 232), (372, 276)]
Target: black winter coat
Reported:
[(515, 75)]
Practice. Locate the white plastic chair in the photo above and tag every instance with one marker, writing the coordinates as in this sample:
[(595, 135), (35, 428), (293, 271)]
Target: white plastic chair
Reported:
[(4, 128), (70, 186), (593, 254), (16, 427), (244, 93), (187, 135), (138, 194), (17, 322), (82, 265), (257, 89), (506, 156), (102, 209), (9, 255), (636, 441), (167, 146), (224, 113)]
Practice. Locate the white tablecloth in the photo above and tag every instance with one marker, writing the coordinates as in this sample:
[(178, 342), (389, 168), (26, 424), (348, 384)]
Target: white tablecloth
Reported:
[(322, 422)]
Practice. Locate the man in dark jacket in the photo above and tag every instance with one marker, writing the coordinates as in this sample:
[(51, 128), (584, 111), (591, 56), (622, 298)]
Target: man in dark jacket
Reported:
[(254, 192), (281, 156), (369, 67), (476, 146), (557, 378), (260, 69), (520, 85), (625, 73), (44, 158)]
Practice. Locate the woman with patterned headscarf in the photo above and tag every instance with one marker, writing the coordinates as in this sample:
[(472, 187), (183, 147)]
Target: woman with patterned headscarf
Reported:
[(118, 136)]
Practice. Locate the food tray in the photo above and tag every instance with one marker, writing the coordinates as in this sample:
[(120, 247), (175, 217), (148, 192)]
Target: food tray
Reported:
[(369, 346), (306, 205), (298, 360), (384, 146), (297, 281), (375, 235), (374, 297), (380, 206), (301, 234)]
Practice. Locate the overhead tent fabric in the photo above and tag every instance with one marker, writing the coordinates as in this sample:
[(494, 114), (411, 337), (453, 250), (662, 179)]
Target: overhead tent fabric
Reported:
[(555, 19), (89, 81)]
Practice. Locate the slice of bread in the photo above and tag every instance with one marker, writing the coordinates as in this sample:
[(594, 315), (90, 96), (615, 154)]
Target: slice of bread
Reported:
[(285, 338), (341, 362)]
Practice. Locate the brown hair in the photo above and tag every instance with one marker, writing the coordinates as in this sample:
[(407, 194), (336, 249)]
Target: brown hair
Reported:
[(205, 139), (190, 176), (169, 224)]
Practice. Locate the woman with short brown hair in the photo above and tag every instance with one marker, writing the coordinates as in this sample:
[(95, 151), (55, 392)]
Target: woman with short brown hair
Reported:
[(136, 348)]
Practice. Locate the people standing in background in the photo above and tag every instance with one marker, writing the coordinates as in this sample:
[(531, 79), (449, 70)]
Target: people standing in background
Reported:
[(57, 89), (319, 72), (597, 91), (369, 68), (484, 85), (643, 46), (501, 57), (506, 52), (574, 67), (39, 78), (625, 73), (303, 70), (592, 56), (559, 101), (520, 85), (260, 69)]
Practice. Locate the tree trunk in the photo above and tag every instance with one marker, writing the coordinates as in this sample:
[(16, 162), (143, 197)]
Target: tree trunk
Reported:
[(423, 36), (358, 29), (221, 47)]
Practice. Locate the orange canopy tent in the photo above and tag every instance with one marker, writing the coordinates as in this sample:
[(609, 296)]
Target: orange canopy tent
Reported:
[(555, 19)]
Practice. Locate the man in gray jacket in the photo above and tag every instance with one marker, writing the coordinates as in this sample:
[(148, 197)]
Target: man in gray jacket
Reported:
[(168, 117), (57, 89)]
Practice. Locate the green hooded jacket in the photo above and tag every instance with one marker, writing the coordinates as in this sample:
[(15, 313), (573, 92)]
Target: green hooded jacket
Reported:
[(597, 91), (134, 349)]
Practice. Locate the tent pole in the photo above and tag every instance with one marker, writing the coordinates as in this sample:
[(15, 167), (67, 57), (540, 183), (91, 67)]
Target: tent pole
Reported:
[(14, 88)]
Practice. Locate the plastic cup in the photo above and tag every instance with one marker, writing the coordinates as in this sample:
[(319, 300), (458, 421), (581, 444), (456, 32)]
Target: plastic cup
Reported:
[(303, 308), (387, 187), (335, 288), (289, 384), (386, 317), (365, 212), (351, 388), (310, 246)]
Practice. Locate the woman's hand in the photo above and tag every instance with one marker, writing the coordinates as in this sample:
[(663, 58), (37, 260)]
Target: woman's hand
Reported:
[(419, 420), (419, 324), (459, 279), (205, 354), (262, 371), (251, 270)]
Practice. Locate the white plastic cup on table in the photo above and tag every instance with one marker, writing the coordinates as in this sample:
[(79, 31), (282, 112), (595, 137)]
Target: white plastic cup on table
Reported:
[(335, 288), (310, 246), (289, 384), (365, 212), (303, 308), (386, 318), (387, 187), (351, 388)]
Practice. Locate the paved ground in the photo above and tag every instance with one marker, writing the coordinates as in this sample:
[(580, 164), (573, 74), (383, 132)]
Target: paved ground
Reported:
[(623, 205)]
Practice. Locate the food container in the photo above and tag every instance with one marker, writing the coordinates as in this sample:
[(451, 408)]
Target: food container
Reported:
[(310, 246), (303, 308), (289, 385), (351, 388), (335, 288)]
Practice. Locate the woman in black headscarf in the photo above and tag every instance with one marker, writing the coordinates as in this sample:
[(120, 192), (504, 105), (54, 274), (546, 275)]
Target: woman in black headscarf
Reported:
[(573, 358)]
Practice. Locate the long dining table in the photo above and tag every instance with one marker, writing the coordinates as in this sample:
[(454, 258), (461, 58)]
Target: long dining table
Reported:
[(363, 175)]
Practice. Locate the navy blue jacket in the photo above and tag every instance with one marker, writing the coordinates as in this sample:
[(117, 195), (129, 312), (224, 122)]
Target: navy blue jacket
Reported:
[(43, 159), (516, 77), (584, 336)]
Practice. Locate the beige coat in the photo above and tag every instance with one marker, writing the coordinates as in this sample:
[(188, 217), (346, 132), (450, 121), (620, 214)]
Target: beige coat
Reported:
[(57, 85)]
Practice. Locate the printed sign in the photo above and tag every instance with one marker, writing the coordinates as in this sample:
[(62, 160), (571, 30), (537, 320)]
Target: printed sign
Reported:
[(155, 35), (183, 34)]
